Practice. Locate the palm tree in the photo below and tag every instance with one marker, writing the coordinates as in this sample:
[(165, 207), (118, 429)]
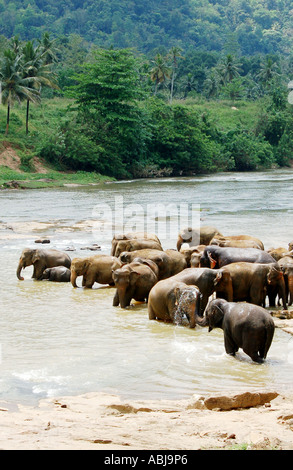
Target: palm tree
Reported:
[(228, 69), (269, 71), (48, 49), (14, 86), (160, 71), (36, 70), (174, 55), (212, 84)]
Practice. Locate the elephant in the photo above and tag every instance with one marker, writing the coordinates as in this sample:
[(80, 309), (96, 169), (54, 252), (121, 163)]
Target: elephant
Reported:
[(41, 259), (131, 236), (177, 261), (278, 253), (251, 282), (193, 237), (167, 263), (171, 301), (208, 282), (188, 253), (217, 256), (246, 326), (238, 241), (136, 244), (96, 268), (57, 274), (133, 281), (286, 264)]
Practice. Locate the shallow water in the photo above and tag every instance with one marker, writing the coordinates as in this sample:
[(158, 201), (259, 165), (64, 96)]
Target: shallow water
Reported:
[(57, 340)]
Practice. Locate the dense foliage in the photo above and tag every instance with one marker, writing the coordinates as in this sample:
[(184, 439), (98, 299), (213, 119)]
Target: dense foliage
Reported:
[(250, 26), (142, 111)]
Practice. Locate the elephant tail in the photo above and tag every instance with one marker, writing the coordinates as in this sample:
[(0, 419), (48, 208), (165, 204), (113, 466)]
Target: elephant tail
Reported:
[(270, 330)]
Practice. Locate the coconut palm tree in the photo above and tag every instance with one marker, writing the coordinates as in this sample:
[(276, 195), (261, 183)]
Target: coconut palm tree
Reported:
[(228, 69), (36, 70), (268, 71), (14, 86), (160, 71), (174, 55), (48, 49)]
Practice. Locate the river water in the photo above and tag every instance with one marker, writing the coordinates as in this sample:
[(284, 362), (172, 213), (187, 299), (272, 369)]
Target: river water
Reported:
[(56, 340)]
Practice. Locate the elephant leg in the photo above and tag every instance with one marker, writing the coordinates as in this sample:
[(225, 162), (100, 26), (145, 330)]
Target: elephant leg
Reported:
[(116, 299), (230, 347), (38, 270), (152, 315)]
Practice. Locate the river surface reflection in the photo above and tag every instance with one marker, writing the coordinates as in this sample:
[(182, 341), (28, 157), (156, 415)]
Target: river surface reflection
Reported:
[(56, 340)]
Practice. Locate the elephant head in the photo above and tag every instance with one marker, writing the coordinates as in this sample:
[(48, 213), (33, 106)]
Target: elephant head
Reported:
[(214, 315), (125, 280), (224, 285), (78, 268), (187, 302), (27, 258)]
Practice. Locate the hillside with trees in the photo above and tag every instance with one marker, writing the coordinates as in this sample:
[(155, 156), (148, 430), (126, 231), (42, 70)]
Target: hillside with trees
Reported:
[(250, 26), (204, 89)]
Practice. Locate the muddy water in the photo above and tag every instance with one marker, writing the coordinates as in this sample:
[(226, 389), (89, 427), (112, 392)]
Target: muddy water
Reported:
[(57, 340)]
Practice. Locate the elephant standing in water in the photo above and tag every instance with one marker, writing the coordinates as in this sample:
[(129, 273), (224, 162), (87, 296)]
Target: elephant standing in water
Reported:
[(133, 281), (245, 326), (41, 260), (171, 301)]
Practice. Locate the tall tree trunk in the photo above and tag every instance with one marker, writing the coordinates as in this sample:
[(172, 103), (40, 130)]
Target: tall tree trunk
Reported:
[(172, 86), (27, 115), (8, 118)]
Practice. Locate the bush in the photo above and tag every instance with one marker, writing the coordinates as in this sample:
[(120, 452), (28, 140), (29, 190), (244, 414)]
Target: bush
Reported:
[(248, 151)]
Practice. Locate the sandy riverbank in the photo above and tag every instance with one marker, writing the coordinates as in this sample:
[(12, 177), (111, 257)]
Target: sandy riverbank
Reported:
[(99, 421)]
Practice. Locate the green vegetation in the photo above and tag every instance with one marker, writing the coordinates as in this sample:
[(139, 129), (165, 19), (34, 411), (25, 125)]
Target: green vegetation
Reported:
[(159, 109), (244, 26)]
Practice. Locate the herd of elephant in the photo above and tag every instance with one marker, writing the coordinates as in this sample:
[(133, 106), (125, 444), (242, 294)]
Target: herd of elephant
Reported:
[(177, 284)]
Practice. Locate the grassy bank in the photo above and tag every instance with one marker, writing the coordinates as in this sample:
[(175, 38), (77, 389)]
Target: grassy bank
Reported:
[(20, 165)]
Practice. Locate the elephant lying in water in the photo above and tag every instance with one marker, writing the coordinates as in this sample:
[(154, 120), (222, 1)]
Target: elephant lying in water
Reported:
[(216, 256), (245, 326), (57, 274), (131, 236), (171, 301), (41, 260), (238, 241), (198, 236), (133, 281)]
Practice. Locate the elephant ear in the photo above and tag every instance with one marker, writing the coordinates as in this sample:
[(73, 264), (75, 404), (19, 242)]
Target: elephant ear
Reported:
[(177, 295), (134, 275), (212, 261), (36, 256), (215, 317), (218, 277)]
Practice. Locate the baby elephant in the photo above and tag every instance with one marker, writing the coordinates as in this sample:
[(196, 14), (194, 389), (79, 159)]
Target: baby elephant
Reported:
[(245, 326), (57, 274)]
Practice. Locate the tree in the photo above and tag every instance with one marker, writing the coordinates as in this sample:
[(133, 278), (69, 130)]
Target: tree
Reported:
[(107, 98), (268, 72), (14, 86), (174, 55), (37, 70), (160, 71), (228, 69)]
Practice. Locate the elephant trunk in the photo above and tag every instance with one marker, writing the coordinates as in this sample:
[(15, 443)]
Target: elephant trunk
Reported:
[(73, 277), (179, 242), (19, 268)]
